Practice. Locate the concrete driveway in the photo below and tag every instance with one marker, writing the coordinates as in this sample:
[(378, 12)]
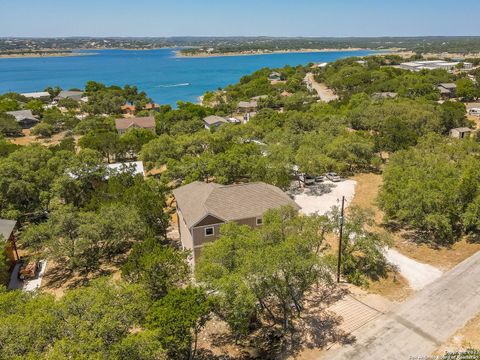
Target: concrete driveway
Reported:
[(421, 324), (417, 274)]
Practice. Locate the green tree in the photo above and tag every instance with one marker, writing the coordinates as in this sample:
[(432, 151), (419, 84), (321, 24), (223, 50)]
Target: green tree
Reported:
[(106, 143), (466, 89), (134, 139), (9, 126), (36, 106), (395, 135), (140, 346), (4, 265), (431, 187), (265, 271), (177, 320), (363, 255), (43, 130), (159, 268)]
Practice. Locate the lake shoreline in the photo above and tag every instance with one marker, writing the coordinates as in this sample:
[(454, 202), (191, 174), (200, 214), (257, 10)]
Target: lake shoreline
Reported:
[(179, 54), (43, 55), (157, 72)]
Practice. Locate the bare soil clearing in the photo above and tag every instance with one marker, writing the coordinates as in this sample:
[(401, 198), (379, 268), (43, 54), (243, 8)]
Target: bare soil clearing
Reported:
[(31, 139)]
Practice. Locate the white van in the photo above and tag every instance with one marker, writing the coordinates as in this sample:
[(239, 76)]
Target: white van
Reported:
[(474, 111)]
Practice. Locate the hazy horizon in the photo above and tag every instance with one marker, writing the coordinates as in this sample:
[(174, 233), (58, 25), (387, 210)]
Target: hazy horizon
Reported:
[(248, 18)]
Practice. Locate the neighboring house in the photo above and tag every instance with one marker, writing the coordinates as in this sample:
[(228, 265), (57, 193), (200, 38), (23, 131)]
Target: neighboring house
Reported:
[(151, 106), (203, 207), (461, 133), (247, 106), (123, 125), (275, 76), (214, 121), (448, 90), (24, 118), (41, 95), (70, 94), (118, 168), (6, 230), (130, 109), (320, 65)]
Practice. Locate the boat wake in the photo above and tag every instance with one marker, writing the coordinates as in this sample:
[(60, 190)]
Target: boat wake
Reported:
[(174, 85)]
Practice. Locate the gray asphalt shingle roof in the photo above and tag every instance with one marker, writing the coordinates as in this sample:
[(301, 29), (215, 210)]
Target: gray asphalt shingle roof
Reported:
[(228, 202), (143, 122), (22, 114), (214, 119), (6, 228)]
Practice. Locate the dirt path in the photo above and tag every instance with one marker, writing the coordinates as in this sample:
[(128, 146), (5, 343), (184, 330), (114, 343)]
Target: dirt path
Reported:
[(425, 321), (324, 93)]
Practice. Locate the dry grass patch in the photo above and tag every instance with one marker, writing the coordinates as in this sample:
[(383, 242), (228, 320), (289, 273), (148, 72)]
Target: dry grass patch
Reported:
[(442, 258), (28, 139), (466, 338), (394, 288)]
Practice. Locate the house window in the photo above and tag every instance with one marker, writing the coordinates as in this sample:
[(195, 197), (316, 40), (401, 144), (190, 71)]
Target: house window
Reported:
[(259, 221), (209, 231)]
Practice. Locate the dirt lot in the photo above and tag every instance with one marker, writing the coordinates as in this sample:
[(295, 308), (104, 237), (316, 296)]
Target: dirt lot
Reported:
[(31, 139), (57, 280)]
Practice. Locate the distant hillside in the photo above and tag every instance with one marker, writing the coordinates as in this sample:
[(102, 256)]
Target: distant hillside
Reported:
[(194, 45)]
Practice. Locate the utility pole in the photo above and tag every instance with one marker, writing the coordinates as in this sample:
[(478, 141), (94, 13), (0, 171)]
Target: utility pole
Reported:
[(340, 240)]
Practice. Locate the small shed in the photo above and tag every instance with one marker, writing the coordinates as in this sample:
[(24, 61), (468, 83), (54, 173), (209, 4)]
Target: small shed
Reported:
[(461, 133)]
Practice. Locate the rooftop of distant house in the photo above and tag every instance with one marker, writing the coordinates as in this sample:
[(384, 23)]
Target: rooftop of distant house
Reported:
[(36, 95), (214, 119), (21, 114), (70, 94), (147, 122)]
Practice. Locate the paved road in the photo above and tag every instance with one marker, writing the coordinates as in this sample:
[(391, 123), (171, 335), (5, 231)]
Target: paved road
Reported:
[(421, 324), (324, 93)]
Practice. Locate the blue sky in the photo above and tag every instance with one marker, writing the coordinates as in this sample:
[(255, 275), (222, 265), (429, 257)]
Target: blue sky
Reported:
[(44, 18)]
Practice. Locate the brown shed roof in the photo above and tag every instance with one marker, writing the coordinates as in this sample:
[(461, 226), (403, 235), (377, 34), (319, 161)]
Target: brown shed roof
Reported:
[(228, 202), (143, 122)]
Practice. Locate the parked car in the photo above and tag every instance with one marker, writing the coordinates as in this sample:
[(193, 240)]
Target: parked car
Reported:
[(28, 270), (307, 179), (319, 179), (333, 177)]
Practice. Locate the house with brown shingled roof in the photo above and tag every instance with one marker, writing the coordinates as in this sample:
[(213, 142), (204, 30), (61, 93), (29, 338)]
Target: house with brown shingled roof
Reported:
[(202, 208), (125, 124)]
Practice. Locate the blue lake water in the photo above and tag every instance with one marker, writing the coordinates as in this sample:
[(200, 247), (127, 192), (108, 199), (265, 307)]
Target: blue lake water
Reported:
[(165, 78)]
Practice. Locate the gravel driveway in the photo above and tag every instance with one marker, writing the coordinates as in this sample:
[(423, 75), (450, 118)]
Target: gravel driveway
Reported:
[(417, 274)]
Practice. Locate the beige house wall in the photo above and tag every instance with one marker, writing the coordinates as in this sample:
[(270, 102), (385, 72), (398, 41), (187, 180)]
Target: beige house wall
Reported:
[(200, 239)]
